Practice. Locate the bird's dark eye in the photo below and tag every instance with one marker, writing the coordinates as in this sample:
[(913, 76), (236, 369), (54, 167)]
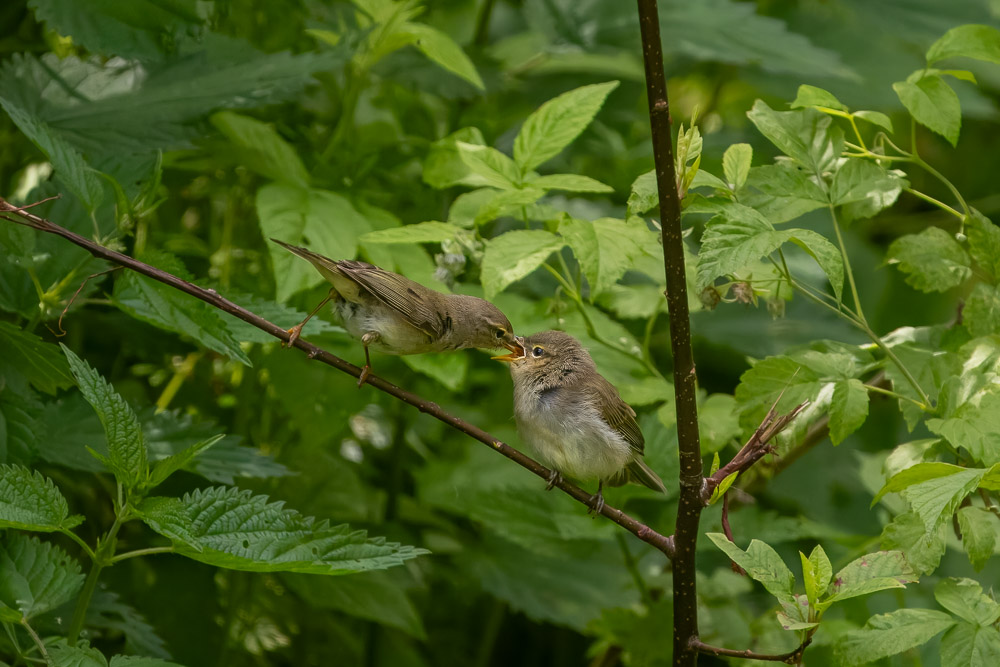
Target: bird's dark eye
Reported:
[(500, 333), (537, 351)]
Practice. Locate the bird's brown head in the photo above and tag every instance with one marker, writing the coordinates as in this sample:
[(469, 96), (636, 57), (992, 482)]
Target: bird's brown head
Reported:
[(548, 358), (485, 326)]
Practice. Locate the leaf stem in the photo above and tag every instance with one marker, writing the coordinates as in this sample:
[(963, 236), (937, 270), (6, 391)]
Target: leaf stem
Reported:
[(79, 540), (103, 557), (35, 638), (142, 552), (847, 267), (931, 200)]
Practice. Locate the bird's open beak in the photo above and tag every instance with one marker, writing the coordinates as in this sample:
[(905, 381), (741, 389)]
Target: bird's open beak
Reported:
[(516, 352)]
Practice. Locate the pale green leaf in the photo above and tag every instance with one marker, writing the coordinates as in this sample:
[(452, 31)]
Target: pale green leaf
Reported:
[(39, 362), (806, 135), (984, 243), (848, 409), (605, 248), (422, 232), (967, 645), (442, 49), (980, 529), (723, 486), (736, 164), (811, 96), (261, 148), (965, 598), (444, 167), (875, 118), (782, 192), (890, 634), (937, 499), (822, 570), (932, 260), (870, 573), (557, 123), (933, 104), (448, 369), (495, 168), (35, 576), (974, 425), (863, 181), (920, 472), (762, 563), (234, 529), (907, 533), (30, 501), (513, 255), (981, 42), (644, 195), (126, 444), (505, 202), (570, 183), (981, 315)]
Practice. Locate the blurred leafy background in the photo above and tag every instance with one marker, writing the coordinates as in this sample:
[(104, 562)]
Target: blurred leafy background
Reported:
[(189, 131)]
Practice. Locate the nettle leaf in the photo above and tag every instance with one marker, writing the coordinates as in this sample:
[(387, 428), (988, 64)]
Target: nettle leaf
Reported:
[(805, 135), (811, 96), (30, 501), (108, 612), (442, 49), (848, 409), (35, 576), (495, 168), (557, 123), (981, 42), (932, 261), (981, 315), (782, 192), (907, 533), (890, 634), (64, 655), (644, 195), (164, 468), (868, 574), (605, 248), (234, 529), (933, 104), (282, 315), (974, 425), (762, 563), (860, 181), (570, 183), (168, 308), (511, 256), (980, 529), (321, 220), (965, 598), (261, 148), (126, 444), (41, 363), (937, 499), (736, 164), (984, 243), (967, 645), (422, 232)]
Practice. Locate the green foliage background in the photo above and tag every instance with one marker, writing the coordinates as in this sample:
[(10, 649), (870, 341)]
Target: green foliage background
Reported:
[(187, 132)]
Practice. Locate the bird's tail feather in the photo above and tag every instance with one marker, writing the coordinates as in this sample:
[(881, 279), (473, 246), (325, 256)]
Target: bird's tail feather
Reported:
[(640, 473), (324, 265)]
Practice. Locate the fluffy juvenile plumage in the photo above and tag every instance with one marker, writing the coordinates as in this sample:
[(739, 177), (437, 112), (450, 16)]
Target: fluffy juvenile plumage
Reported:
[(573, 418), (396, 315)]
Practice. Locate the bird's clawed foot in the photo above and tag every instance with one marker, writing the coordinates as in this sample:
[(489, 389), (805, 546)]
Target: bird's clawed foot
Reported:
[(366, 370), (555, 477), (596, 503), (293, 335)]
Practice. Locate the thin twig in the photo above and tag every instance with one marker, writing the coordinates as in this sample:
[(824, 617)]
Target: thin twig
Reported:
[(62, 332), (791, 658), (661, 542)]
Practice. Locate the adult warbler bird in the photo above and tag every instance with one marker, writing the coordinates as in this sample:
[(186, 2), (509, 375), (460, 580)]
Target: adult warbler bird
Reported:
[(395, 315), (573, 418)]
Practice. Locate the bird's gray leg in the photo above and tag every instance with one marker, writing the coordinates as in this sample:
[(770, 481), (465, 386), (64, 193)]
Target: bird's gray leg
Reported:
[(597, 500), (554, 478), (294, 332), (366, 340)]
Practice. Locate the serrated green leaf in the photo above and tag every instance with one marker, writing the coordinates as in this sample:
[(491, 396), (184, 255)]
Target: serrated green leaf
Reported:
[(890, 634), (513, 255), (64, 655), (974, 425), (736, 164), (863, 181), (557, 123), (875, 118), (35, 576), (261, 148), (762, 563), (444, 167), (782, 192), (933, 104), (984, 243), (980, 530), (126, 443), (644, 195), (967, 645), (981, 315), (907, 533), (442, 49), (965, 598), (811, 96), (920, 472), (39, 362), (422, 232), (937, 499), (324, 221), (237, 530), (848, 409), (932, 260), (504, 202), (981, 42), (496, 169), (30, 501), (164, 468), (806, 135), (870, 573), (570, 183), (605, 248)]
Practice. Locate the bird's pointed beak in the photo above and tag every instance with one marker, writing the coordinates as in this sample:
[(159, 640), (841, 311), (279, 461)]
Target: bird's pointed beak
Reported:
[(516, 352)]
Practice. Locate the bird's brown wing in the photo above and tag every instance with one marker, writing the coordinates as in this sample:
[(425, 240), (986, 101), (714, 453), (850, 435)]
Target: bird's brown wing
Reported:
[(619, 414), (399, 293)]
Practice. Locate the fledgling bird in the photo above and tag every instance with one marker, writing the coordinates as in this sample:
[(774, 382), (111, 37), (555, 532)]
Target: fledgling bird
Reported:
[(396, 315), (573, 418)]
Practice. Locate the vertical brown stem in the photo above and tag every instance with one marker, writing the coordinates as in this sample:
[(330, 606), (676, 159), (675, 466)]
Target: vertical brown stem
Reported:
[(685, 381)]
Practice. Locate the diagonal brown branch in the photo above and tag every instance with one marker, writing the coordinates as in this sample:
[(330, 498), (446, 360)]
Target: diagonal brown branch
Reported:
[(662, 542), (791, 658)]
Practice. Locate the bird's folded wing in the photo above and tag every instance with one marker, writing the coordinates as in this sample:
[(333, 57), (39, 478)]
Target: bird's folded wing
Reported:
[(619, 415), (397, 292)]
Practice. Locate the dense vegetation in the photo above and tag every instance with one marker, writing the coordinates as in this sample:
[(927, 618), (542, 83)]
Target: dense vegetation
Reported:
[(176, 485)]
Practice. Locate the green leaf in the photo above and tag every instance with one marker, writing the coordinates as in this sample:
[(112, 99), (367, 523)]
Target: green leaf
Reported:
[(605, 248), (443, 50), (422, 232), (30, 501), (495, 168), (984, 243), (868, 574), (723, 486), (164, 468), (863, 181), (848, 409), (981, 42), (126, 444), (444, 167), (932, 260), (937, 499), (820, 573), (967, 645), (782, 192), (282, 315), (107, 612), (448, 369), (980, 529), (644, 195), (64, 655), (965, 598), (261, 148), (875, 118), (806, 135), (736, 164), (811, 96), (557, 123), (35, 576), (907, 533), (570, 183), (920, 472), (762, 563), (505, 203), (513, 255), (974, 425), (39, 362), (890, 634), (933, 104), (324, 221), (981, 315), (234, 529)]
